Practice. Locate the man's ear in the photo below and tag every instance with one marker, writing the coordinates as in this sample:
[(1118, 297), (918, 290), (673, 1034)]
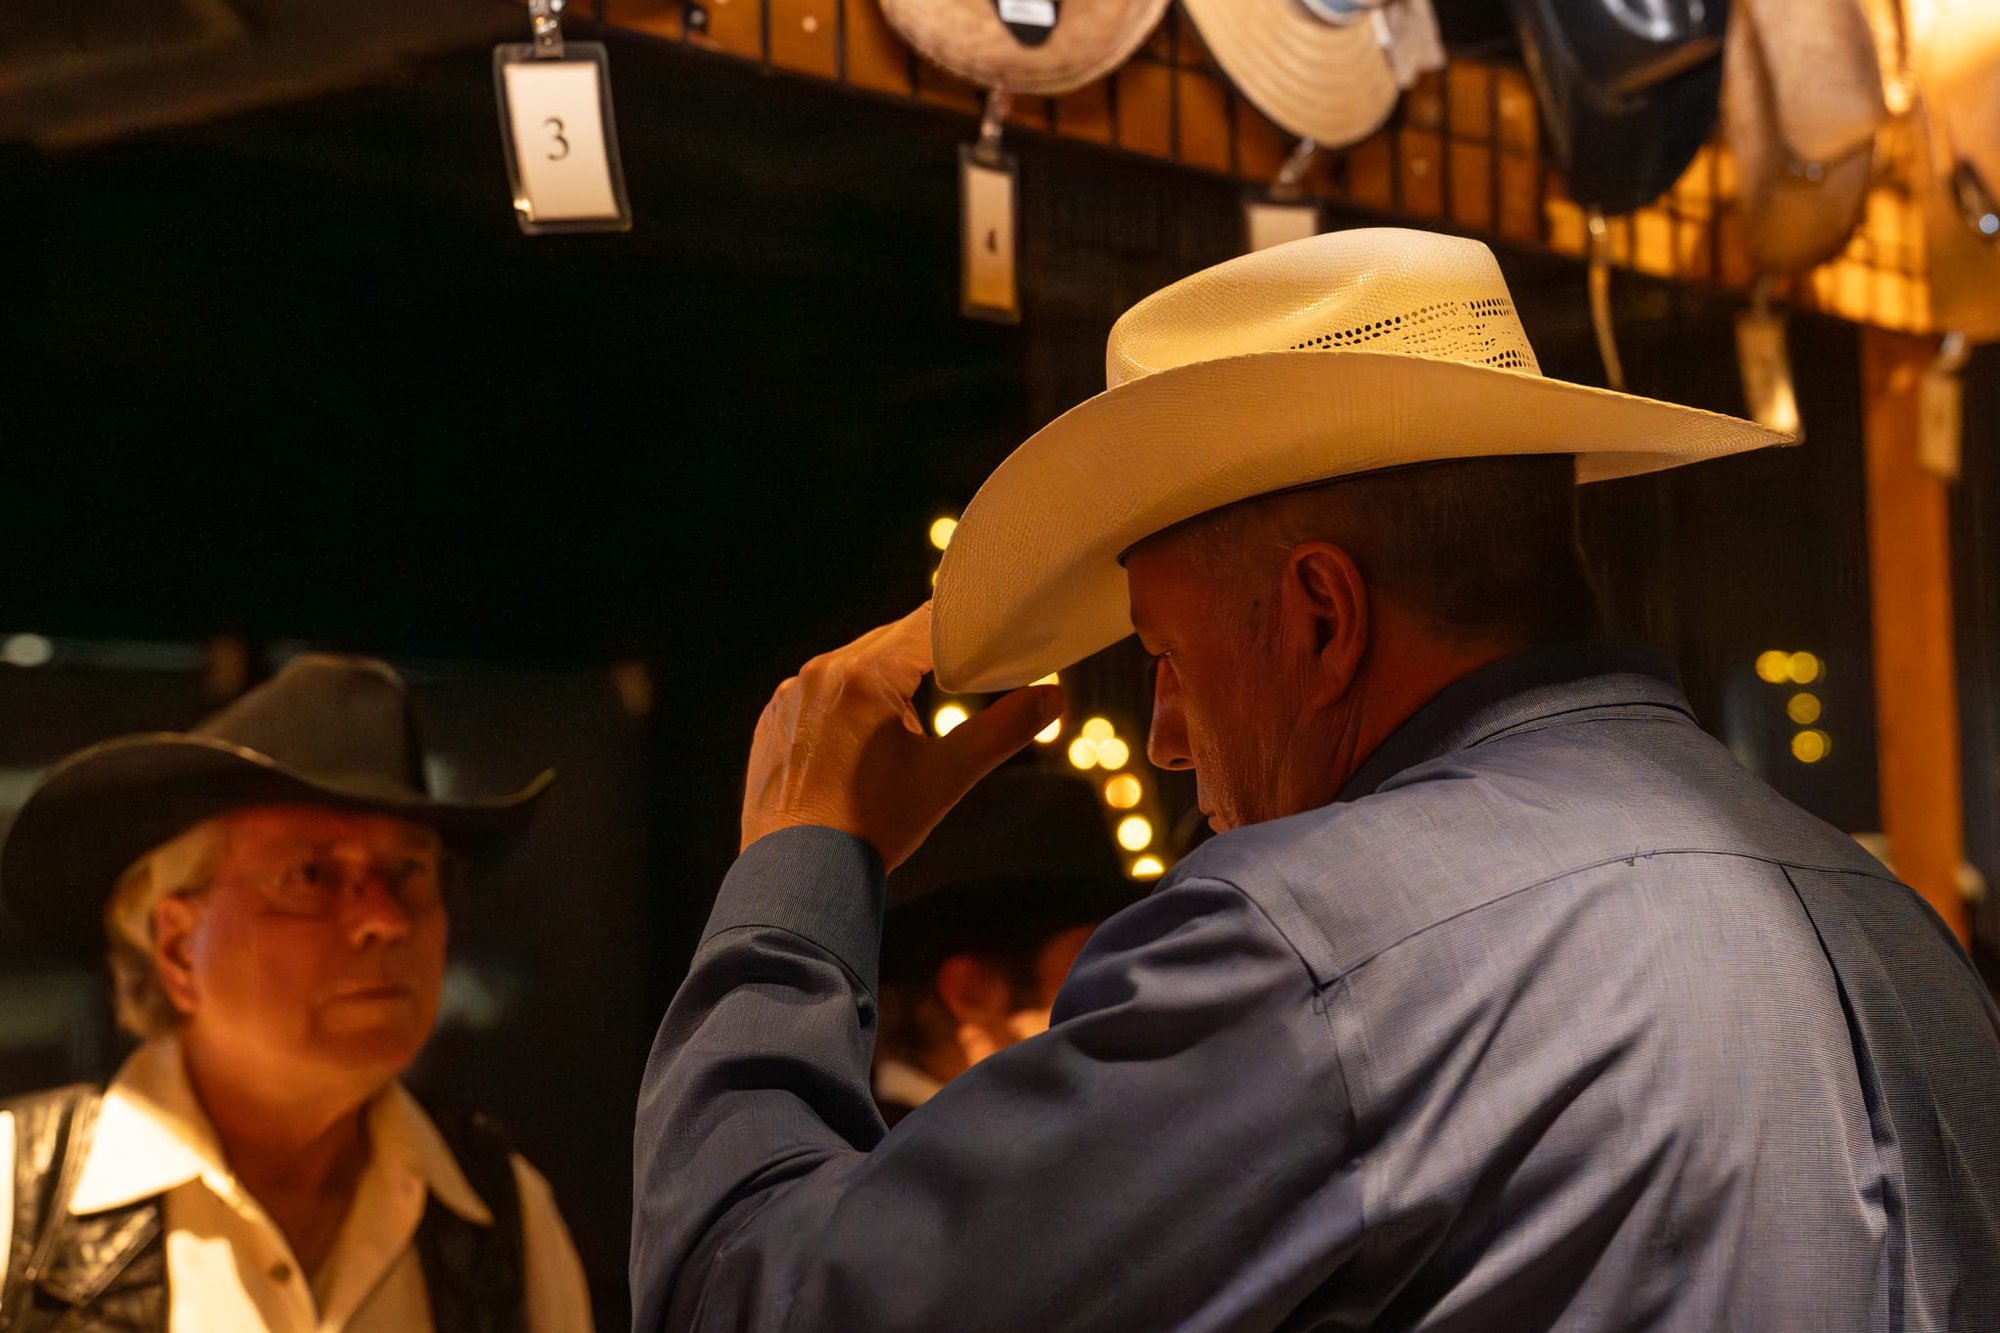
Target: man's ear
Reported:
[(973, 991), (1328, 600), (174, 919)]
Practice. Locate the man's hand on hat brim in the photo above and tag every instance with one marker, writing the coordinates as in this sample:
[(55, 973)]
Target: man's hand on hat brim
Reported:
[(840, 745)]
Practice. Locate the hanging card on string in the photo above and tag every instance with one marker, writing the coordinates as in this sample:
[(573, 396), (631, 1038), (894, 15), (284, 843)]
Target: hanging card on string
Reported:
[(557, 131), (1268, 222), (1284, 212), (988, 186)]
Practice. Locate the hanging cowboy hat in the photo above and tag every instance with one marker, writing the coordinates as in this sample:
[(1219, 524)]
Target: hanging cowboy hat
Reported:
[(1340, 354), (1802, 100), (1041, 47), (324, 731), (1322, 69), (1628, 92), (1959, 72)]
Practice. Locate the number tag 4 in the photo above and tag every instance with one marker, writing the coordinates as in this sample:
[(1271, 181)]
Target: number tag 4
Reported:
[(560, 139), (987, 200)]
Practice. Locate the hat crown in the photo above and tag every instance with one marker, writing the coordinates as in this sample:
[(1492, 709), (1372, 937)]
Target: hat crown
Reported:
[(341, 719), (1375, 289)]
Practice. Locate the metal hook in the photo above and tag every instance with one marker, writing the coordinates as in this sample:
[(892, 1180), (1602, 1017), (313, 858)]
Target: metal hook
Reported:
[(991, 123), (546, 16), (1291, 177), (1954, 350)]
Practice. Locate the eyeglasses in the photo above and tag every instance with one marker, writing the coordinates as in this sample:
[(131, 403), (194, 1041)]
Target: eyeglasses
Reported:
[(316, 884)]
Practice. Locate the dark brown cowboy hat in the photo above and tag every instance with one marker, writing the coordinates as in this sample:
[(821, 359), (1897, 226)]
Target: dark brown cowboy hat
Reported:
[(325, 730), (1024, 856)]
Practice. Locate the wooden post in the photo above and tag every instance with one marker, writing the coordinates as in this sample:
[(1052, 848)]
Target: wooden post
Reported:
[(1916, 686)]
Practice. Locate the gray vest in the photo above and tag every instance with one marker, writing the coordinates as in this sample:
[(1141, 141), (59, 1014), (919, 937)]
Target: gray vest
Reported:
[(107, 1273)]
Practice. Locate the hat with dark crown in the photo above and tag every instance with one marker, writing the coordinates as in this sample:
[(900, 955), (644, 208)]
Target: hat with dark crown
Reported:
[(326, 730)]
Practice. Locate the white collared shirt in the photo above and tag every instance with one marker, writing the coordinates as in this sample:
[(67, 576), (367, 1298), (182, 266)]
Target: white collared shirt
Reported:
[(229, 1268)]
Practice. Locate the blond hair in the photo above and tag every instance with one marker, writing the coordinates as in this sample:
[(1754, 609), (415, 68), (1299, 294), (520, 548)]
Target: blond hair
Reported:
[(182, 864)]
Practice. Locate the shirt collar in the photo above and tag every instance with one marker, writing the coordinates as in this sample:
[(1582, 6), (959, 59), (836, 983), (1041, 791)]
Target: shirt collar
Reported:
[(152, 1136), (1526, 687)]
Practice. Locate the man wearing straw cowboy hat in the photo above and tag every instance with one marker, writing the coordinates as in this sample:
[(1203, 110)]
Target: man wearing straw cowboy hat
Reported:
[(272, 886), (1505, 1000)]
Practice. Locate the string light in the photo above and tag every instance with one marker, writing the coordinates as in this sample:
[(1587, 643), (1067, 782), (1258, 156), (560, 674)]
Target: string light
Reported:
[(1083, 752), (1774, 667), (1805, 668), (1113, 753), (941, 531), (947, 718), (1099, 729), (1803, 709), (1135, 833), (1148, 867), (1809, 747), (1123, 792)]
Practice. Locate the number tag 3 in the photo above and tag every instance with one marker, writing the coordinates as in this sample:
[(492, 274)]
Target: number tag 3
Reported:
[(560, 139)]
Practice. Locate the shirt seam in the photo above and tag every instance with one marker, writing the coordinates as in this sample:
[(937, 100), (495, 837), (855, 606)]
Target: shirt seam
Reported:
[(1628, 858)]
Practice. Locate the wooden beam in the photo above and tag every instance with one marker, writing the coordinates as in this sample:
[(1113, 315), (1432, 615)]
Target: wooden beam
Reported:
[(1916, 686)]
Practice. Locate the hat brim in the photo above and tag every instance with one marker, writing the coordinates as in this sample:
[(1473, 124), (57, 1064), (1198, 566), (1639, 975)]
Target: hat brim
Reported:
[(101, 809), (1327, 82), (1032, 582)]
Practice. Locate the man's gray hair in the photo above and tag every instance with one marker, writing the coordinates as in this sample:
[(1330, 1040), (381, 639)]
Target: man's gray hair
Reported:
[(181, 865)]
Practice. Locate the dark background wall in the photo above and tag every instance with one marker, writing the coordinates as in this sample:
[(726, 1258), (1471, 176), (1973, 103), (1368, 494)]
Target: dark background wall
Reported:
[(296, 376)]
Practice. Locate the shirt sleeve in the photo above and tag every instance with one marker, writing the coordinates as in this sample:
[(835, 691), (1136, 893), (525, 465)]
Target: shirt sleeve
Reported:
[(558, 1297), (1172, 1153)]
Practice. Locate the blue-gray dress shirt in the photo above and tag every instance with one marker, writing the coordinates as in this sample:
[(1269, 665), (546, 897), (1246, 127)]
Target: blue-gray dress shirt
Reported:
[(1558, 1018)]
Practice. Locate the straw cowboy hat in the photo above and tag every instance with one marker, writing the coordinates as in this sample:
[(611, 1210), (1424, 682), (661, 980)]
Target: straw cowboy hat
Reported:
[(1339, 354), (1802, 98), (325, 730), (1042, 47), (1316, 67)]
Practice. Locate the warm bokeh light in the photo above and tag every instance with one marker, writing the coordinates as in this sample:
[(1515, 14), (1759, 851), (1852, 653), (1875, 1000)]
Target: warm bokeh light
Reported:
[(1123, 792), (1099, 729), (1114, 753), (1148, 867), (1774, 667), (947, 718), (941, 531), (1803, 709), (1805, 668), (1135, 833), (1809, 747), (27, 650), (1083, 752), (1050, 732)]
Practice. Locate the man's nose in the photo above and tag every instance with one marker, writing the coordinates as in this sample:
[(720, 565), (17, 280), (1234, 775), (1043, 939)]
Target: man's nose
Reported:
[(1166, 739), (372, 910)]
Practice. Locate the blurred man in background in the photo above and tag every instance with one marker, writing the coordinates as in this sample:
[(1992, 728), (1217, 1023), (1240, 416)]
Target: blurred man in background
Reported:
[(272, 887), (983, 924)]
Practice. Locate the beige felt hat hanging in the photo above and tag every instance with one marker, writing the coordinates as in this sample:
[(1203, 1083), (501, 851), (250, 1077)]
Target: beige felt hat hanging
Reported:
[(1802, 101), (1339, 354), (1958, 69), (1039, 47)]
